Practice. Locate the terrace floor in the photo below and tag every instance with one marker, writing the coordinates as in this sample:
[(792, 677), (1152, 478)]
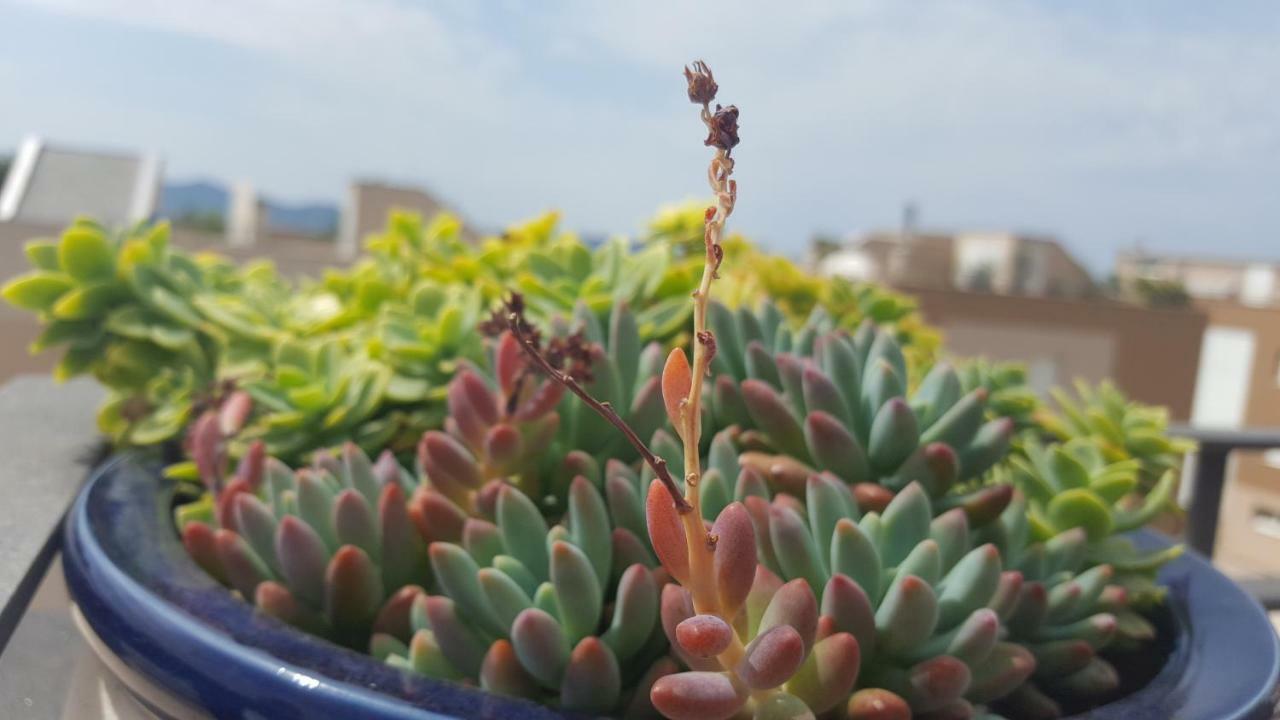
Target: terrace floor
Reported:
[(49, 672)]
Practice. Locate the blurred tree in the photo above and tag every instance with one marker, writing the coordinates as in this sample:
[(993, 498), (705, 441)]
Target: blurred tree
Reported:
[(204, 221), (981, 279), (1154, 292), (823, 245), (5, 162)]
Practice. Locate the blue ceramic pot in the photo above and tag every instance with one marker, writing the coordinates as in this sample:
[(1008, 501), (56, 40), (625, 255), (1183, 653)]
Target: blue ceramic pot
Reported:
[(164, 617)]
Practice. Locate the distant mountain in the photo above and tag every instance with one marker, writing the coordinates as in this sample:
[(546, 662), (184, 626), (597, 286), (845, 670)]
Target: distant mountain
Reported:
[(311, 219), (197, 198), (178, 200)]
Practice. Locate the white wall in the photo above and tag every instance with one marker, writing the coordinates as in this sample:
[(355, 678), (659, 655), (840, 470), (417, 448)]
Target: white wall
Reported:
[(1259, 285), (1222, 380)]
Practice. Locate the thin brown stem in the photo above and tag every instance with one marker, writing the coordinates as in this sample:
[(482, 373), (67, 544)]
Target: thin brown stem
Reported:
[(700, 550), (605, 410)]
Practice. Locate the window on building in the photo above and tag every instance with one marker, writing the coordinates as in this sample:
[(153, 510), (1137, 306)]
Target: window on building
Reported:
[(1272, 458), (1259, 285)]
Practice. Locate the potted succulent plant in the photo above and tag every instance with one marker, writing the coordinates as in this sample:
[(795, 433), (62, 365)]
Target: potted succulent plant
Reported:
[(794, 520)]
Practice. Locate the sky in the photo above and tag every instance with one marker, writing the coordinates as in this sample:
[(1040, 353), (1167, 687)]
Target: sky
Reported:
[(1104, 123)]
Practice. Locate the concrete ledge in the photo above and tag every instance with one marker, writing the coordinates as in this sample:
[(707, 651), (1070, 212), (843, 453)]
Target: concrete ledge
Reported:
[(46, 432)]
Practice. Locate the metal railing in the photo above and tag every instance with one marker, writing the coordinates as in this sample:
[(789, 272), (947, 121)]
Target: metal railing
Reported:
[(1207, 485)]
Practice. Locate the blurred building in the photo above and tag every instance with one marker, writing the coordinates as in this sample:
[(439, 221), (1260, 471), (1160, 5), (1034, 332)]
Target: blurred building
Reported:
[(997, 262), (48, 185), (369, 203), (1151, 353), (1016, 297), (1250, 283), (1238, 386), (52, 184), (1237, 383)]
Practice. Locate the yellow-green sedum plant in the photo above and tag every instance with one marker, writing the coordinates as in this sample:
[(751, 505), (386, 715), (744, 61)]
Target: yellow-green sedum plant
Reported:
[(1121, 429), (363, 353)]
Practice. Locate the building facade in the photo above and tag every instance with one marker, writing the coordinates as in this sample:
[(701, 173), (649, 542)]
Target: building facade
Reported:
[(996, 262), (1256, 284), (1152, 354)]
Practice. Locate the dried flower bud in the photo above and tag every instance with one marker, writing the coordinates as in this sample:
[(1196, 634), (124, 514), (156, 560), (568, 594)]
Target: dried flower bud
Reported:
[(702, 86), (708, 340), (573, 355), (723, 128)]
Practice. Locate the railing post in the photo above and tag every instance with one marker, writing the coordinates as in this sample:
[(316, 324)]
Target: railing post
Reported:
[(1206, 497)]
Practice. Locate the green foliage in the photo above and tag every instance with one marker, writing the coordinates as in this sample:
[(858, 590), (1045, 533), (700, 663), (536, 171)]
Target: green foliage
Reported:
[(332, 549), (840, 446), (210, 221), (922, 597), (124, 308), (366, 353), (840, 499), (831, 401), (1121, 429), (1085, 583), (855, 547), (520, 609), (1161, 293), (1073, 485), (1006, 386)]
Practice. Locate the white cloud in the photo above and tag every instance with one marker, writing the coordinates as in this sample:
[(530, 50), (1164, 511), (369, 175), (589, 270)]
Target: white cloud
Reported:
[(349, 40)]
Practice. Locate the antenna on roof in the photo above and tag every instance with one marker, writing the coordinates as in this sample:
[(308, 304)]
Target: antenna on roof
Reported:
[(900, 252), (910, 218)]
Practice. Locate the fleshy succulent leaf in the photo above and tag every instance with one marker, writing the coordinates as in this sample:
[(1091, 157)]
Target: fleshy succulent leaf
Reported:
[(771, 658), (1007, 667), (541, 646), (353, 594), (705, 636), (697, 695), (796, 551), (502, 673), (853, 554), (635, 612), (735, 560), (458, 576), (523, 531), (676, 380), (828, 674), (907, 616), (592, 679), (905, 523), (666, 531), (578, 590), (793, 604)]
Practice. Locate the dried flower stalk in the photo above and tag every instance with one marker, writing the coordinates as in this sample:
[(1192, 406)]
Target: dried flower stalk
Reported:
[(722, 128), (682, 383)]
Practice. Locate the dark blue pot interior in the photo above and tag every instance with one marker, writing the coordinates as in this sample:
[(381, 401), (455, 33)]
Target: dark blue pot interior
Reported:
[(166, 618)]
